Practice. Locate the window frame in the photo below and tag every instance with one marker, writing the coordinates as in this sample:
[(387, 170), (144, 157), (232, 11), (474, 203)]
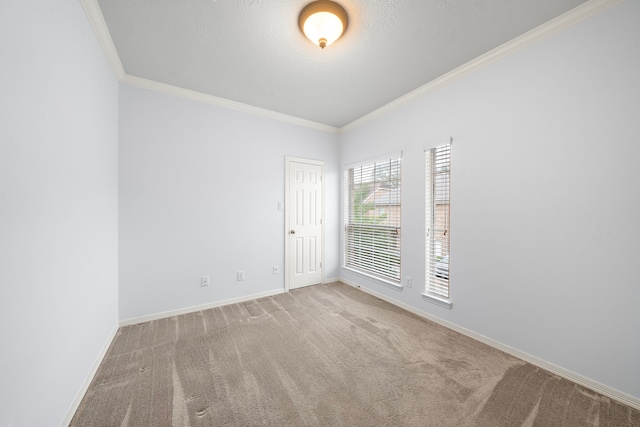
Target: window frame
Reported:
[(361, 235), (438, 221)]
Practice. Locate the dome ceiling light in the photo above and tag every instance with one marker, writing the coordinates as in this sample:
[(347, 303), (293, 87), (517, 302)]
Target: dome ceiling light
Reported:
[(323, 22)]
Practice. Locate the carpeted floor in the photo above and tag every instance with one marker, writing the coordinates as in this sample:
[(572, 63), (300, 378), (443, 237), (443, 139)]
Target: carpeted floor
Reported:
[(325, 355)]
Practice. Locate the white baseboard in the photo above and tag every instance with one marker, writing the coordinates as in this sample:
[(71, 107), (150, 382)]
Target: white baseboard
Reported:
[(156, 316), (629, 400), (103, 352), (331, 280), (605, 390), (87, 382)]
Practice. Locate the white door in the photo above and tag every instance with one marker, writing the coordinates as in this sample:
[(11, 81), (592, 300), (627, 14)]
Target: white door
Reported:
[(304, 227)]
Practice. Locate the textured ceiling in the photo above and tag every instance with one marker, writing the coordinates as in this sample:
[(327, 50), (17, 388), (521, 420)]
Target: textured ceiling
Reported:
[(252, 51)]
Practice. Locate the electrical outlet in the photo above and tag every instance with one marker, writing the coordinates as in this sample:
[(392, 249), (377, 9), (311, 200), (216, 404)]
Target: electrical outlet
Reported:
[(408, 282), (276, 270), (240, 276), (204, 281)]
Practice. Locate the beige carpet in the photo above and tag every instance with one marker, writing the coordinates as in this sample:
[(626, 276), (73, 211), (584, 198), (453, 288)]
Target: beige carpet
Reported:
[(326, 355)]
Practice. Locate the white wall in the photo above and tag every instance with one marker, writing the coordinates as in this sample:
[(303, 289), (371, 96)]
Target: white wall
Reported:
[(199, 192), (545, 197), (58, 208)]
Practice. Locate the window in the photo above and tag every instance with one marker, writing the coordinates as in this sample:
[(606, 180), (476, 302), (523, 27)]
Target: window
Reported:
[(437, 227), (372, 219)]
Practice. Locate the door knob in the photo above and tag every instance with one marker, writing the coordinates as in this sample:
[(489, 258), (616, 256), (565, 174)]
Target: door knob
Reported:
[(292, 232)]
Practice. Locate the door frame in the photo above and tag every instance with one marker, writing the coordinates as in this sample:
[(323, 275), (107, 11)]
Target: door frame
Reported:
[(287, 226)]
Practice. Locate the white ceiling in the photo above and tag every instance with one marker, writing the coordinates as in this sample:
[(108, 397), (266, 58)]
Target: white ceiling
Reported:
[(252, 51)]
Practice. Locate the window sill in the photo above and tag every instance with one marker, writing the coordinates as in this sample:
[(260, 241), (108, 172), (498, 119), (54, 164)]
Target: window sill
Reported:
[(438, 301), (387, 283)]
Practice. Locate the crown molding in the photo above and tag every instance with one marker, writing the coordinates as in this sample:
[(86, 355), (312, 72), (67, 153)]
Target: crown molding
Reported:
[(92, 10), (222, 102), (94, 14), (566, 20)]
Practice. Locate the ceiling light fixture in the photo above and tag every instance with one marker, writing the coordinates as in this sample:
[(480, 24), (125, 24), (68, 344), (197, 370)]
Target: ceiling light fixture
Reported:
[(323, 22)]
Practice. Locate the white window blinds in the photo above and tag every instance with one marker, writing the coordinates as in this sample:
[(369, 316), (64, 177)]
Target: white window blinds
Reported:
[(438, 165), (372, 219)]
